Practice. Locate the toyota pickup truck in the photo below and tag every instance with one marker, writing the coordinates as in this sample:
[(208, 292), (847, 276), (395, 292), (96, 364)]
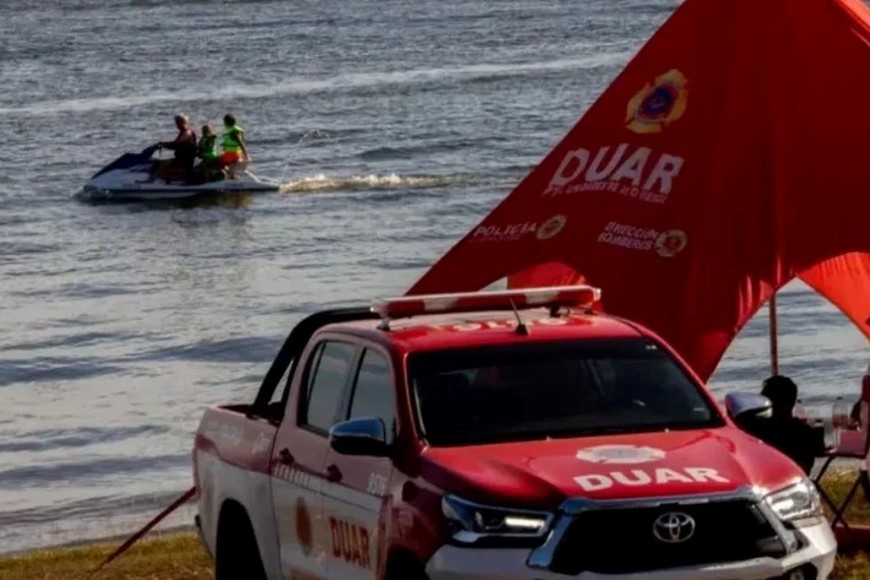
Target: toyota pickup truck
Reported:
[(496, 435)]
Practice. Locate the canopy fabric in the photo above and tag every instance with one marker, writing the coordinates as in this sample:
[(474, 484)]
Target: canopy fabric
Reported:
[(845, 281), (727, 158)]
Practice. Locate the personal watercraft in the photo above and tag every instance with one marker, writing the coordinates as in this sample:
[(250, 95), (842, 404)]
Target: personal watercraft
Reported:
[(127, 178)]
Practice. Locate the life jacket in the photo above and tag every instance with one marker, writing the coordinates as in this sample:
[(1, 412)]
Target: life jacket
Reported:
[(207, 147), (231, 141)]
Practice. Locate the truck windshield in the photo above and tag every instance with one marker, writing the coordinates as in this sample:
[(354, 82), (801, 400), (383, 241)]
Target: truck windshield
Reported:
[(548, 390)]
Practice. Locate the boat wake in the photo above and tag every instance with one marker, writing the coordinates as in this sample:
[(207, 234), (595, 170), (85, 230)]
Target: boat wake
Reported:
[(314, 184), (324, 183)]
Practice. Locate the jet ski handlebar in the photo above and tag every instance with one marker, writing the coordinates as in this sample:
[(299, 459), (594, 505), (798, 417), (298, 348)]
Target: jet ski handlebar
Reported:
[(149, 151)]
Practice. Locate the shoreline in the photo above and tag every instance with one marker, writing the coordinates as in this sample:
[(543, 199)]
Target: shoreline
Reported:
[(117, 539), (112, 521)]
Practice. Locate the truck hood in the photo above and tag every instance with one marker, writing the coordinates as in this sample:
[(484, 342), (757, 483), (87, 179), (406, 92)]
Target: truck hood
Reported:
[(542, 474)]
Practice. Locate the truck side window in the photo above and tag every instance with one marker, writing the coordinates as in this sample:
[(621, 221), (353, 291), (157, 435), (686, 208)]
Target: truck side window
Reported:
[(326, 385), (374, 392)]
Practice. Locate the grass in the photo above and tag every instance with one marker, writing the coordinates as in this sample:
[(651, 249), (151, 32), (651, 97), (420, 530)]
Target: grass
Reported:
[(850, 566), (853, 567), (176, 556), (180, 556)]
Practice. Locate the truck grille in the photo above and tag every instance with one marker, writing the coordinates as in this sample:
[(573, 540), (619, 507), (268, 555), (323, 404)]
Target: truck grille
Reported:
[(622, 540)]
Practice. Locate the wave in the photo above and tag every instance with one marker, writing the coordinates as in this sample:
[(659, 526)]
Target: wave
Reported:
[(475, 72)]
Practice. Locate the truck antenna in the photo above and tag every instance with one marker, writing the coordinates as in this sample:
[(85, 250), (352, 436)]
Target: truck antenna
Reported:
[(521, 329)]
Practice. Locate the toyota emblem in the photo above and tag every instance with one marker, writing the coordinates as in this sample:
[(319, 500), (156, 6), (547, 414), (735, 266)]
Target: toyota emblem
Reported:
[(674, 527)]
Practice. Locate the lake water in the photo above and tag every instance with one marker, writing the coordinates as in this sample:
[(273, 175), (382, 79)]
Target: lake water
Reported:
[(397, 125)]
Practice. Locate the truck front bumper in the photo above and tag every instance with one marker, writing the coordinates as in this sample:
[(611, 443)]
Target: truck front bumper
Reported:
[(815, 561)]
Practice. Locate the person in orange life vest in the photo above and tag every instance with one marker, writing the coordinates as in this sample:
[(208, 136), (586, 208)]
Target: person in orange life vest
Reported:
[(233, 142), (783, 430)]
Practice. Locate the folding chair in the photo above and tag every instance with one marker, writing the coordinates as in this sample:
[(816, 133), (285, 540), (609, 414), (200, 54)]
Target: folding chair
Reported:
[(852, 445)]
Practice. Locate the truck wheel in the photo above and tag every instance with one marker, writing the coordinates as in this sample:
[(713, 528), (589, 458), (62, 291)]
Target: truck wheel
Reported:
[(237, 555), (405, 567)]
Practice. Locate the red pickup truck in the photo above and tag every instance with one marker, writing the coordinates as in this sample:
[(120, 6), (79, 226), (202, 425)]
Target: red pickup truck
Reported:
[(501, 435)]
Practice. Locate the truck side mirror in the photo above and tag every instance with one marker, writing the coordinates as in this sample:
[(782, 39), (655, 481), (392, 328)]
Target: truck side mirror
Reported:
[(366, 436), (745, 408)]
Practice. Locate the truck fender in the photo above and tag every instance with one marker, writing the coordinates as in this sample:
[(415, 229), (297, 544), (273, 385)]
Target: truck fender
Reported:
[(237, 554)]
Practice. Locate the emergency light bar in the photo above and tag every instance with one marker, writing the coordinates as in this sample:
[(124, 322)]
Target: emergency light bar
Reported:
[(525, 298)]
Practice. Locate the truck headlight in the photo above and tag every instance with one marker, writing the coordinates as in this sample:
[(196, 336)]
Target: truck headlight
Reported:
[(799, 501), (471, 523)]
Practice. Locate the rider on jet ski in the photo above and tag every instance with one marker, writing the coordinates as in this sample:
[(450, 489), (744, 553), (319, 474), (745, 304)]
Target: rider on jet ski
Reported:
[(206, 149), (185, 147), (232, 143)]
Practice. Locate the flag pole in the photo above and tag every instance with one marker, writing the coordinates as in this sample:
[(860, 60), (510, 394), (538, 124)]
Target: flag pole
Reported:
[(774, 346)]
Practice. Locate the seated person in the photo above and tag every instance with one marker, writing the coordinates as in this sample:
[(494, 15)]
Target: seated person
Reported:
[(855, 416), (855, 419), (785, 432), (207, 152), (233, 147), (206, 148), (184, 146)]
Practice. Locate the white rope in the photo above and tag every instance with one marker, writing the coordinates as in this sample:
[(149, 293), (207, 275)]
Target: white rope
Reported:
[(298, 144), (266, 180)]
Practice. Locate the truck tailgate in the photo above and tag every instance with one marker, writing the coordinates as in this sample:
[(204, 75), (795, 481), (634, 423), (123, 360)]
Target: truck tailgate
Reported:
[(236, 439)]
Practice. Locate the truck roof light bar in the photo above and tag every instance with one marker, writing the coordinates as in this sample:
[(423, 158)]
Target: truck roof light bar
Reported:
[(555, 297)]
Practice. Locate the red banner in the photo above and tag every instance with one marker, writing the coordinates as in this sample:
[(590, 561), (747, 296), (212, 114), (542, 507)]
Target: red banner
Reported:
[(729, 157)]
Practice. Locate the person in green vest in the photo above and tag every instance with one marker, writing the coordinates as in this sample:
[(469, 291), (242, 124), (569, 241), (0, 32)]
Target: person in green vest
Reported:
[(232, 142), (206, 150), (207, 146)]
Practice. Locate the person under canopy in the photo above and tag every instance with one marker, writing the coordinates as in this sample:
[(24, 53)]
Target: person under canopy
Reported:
[(783, 430)]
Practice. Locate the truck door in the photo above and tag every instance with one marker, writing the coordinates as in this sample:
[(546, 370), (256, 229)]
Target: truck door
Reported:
[(355, 498), (298, 462)]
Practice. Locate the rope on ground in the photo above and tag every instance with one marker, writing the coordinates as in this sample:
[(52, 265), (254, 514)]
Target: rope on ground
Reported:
[(138, 535)]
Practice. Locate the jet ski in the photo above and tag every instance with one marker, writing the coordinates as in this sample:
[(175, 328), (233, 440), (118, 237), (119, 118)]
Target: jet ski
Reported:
[(127, 178)]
